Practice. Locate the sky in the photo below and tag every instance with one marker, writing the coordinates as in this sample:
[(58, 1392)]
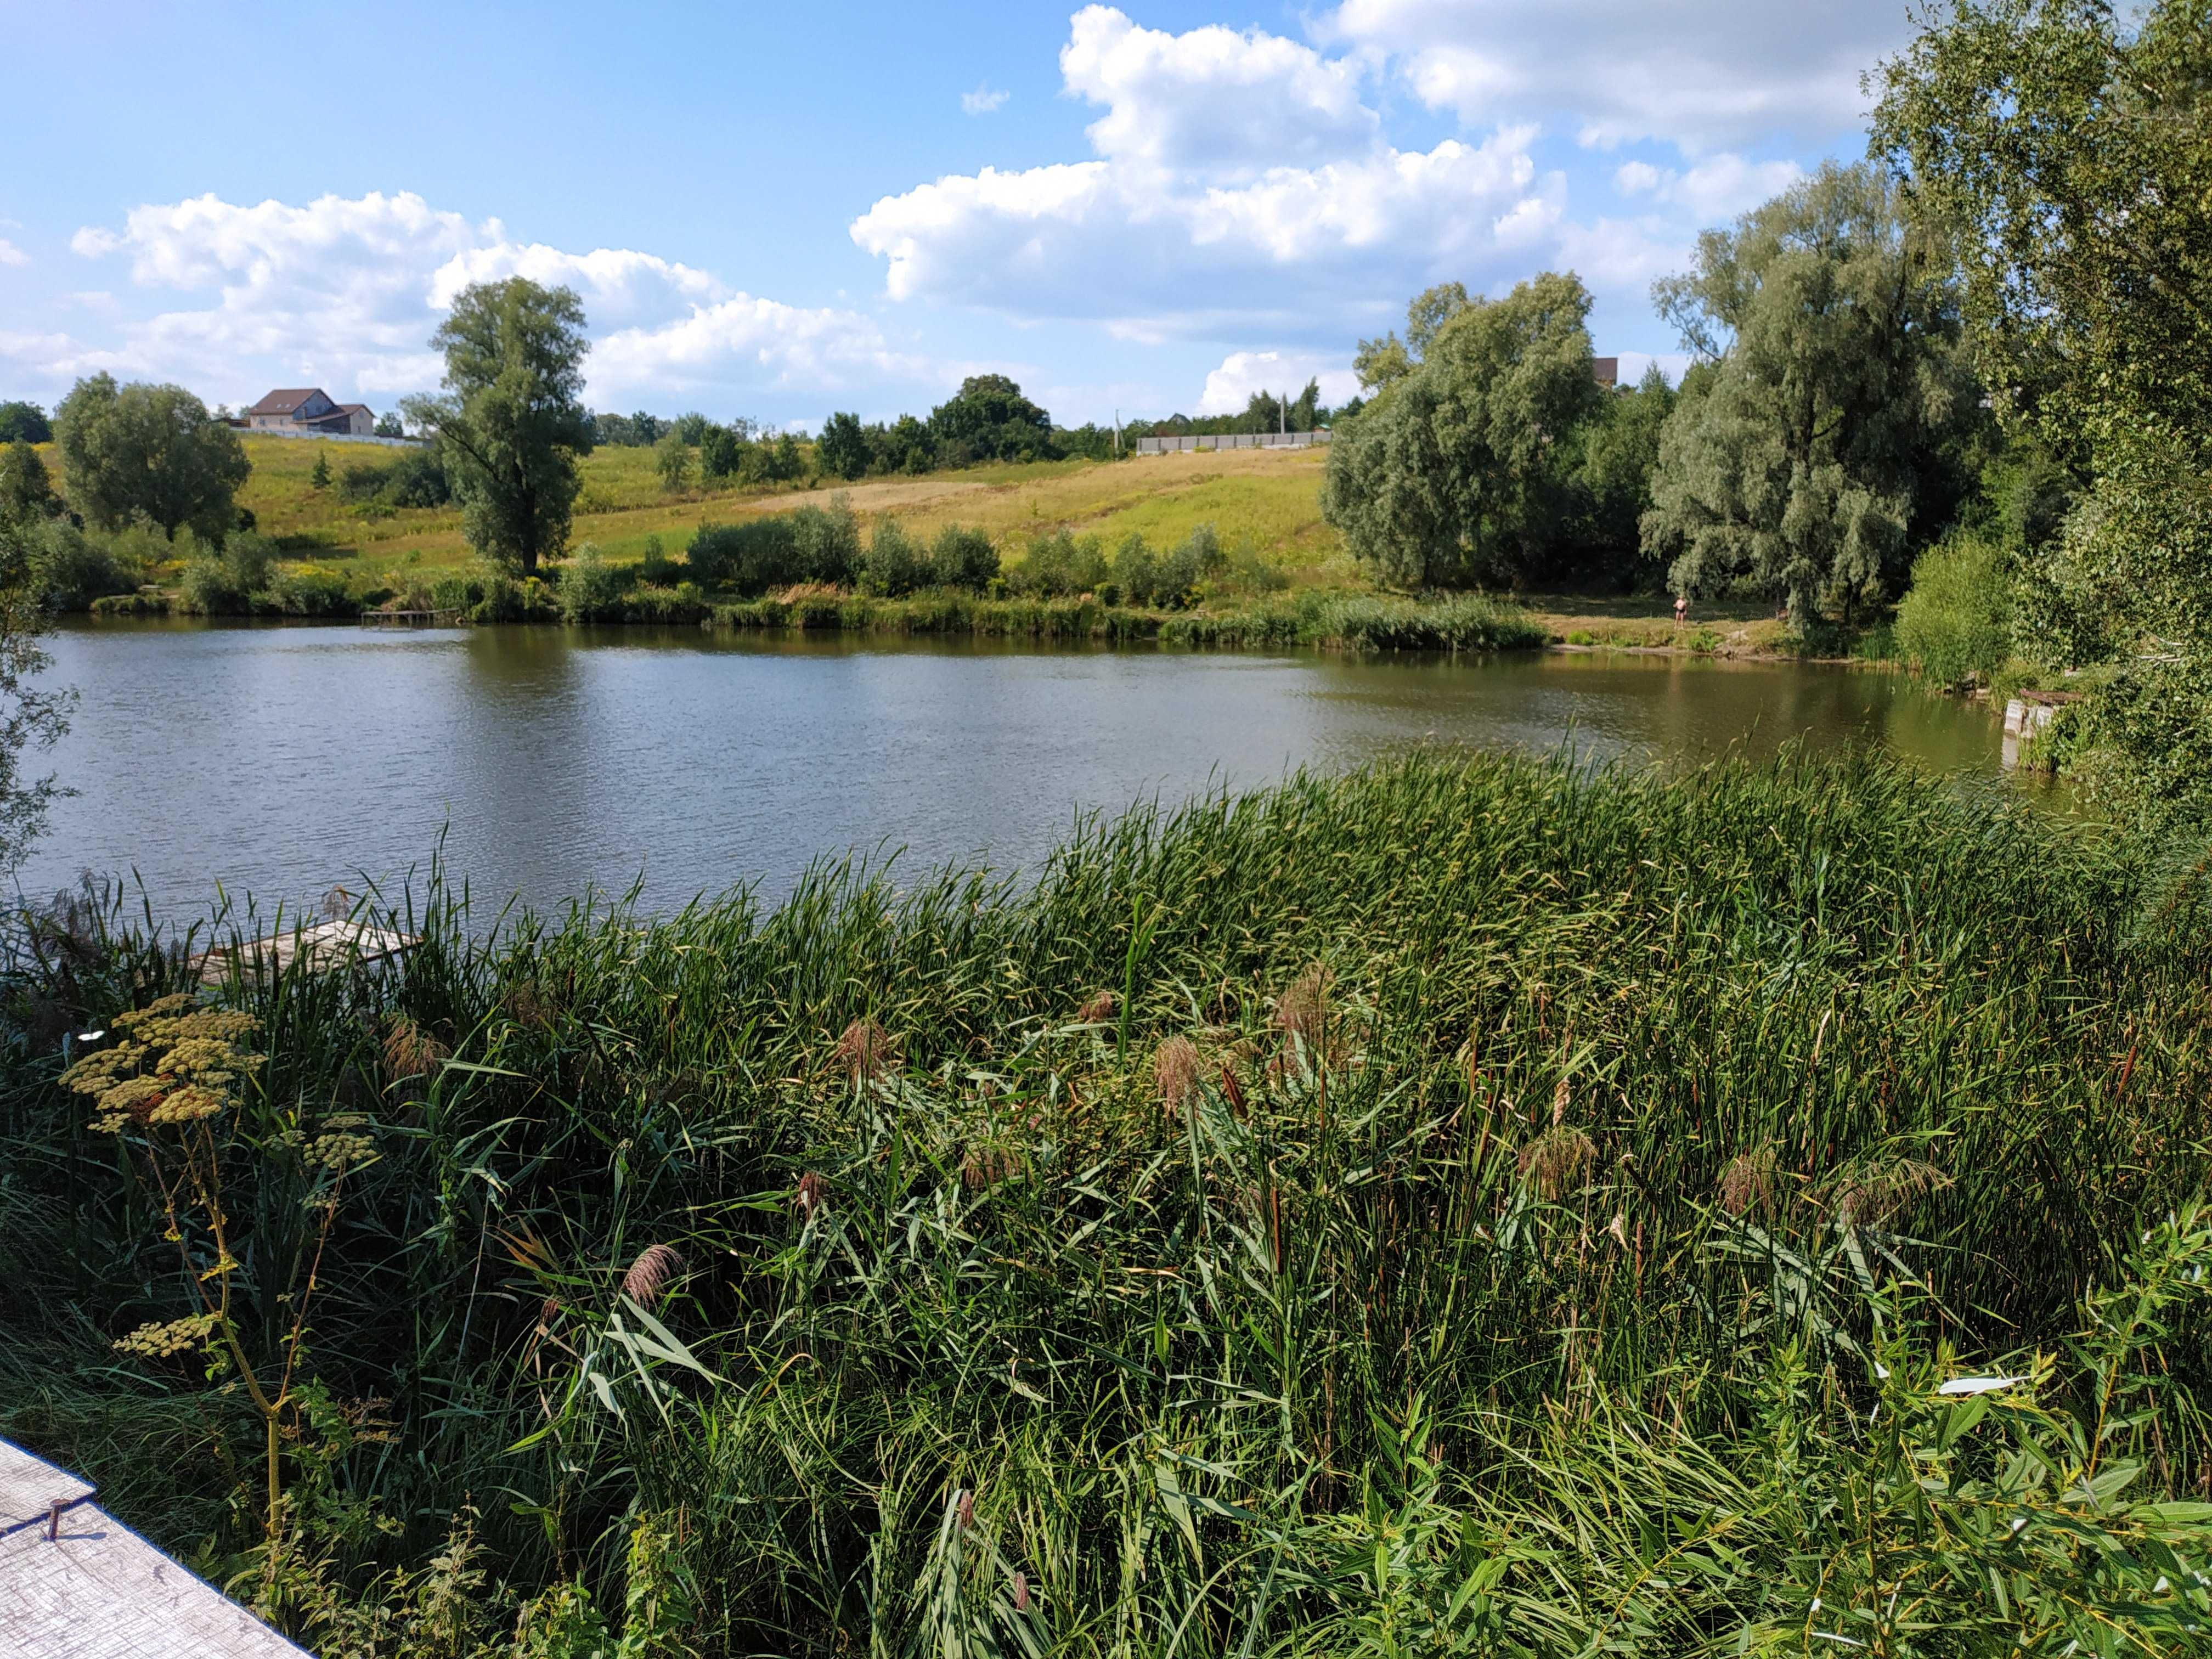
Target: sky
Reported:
[(779, 210)]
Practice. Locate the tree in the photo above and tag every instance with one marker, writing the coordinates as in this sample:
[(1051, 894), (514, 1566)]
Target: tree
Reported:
[(1459, 471), (841, 451), (1832, 437), (27, 494), (1619, 457), (320, 477), (988, 419), (2065, 155), (389, 425), (22, 423), (671, 459), (32, 717), (150, 451), (1379, 363), (721, 452), (509, 424)]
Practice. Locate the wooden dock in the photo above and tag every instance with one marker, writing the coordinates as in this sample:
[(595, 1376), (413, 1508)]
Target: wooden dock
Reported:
[(321, 947)]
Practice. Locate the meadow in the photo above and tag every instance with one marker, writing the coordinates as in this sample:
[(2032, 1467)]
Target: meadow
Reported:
[(1465, 1206)]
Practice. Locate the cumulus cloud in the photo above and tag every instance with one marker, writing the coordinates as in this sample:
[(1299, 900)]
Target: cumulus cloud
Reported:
[(346, 292), (1702, 75), (1720, 188), (1214, 101), (12, 255), (982, 101), (1229, 387)]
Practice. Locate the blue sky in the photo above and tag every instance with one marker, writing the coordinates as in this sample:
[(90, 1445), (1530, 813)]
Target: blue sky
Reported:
[(780, 210)]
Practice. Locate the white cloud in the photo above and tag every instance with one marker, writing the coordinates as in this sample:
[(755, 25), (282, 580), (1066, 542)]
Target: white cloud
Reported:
[(12, 255), (1213, 101), (1720, 188), (983, 100), (1700, 74), (1229, 387), (1167, 255), (346, 292)]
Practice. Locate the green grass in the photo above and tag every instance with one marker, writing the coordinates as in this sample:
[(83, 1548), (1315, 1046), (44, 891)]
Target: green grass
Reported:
[(1469, 1205)]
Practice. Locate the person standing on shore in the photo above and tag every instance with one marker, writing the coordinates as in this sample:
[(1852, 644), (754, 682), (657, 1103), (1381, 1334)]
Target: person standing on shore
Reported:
[(1682, 608)]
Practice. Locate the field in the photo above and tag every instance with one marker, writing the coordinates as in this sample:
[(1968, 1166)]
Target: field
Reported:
[(1469, 1206), (1269, 500)]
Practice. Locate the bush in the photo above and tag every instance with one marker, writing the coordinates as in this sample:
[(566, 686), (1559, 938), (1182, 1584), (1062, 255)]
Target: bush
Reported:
[(1955, 623), (412, 478), (72, 570), (895, 564), (747, 558), (591, 589), (1058, 566), (231, 582), (827, 541), (656, 567), (314, 593), (963, 558)]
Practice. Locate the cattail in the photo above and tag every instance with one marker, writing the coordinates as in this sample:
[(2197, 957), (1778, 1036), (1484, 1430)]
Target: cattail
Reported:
[(1020, 1592), (1099, 1007), (1747, 1184), (1174, 1072), (649, 1274), (408, 1050), (1548, 1162), (866, 1051), (814, 1193)]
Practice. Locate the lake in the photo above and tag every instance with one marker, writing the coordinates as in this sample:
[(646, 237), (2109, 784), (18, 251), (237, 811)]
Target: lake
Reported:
[(285, 760)]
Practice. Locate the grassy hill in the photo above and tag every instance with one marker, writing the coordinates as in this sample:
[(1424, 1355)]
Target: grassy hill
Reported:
[(1269, 499)]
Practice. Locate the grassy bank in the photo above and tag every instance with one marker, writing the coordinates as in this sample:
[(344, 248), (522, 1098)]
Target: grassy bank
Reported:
[(1467, 1205)]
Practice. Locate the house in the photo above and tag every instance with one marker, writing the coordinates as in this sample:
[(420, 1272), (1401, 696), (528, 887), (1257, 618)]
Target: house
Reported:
[(1608, 370), (75, 1583), (309, 409)]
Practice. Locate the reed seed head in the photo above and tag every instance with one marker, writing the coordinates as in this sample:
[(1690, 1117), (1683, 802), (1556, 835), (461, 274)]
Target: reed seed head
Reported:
[(1870, 1195), (1553, 1158), (649, 1274), (1099, 1007), (1747, 1186), (865, 1052), (408, 1050), (1302, 1011), (1174, 1072), (813, 1193)]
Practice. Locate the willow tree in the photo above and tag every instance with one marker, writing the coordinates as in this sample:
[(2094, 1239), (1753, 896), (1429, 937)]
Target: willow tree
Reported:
[(511, 421), (1819, 442), (1461, 471)]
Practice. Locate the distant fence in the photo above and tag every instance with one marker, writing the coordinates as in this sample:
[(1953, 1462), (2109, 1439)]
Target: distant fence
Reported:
[(1233, 441), (331, 437)]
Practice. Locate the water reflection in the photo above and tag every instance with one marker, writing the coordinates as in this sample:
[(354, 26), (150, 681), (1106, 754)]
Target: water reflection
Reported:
[(281, 761)]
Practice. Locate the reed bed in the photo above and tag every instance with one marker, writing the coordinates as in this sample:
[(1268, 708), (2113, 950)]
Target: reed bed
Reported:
[(1469, 1205)]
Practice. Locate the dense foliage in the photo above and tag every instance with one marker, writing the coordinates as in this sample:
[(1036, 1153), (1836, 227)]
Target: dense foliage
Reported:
[(1471, 1205), (1461, 471), (24, 422), (148, 452), (509, 424), (1824, 446), (2065, 149)]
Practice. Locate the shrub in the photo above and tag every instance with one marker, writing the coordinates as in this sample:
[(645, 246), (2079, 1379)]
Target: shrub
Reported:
[(747, 558), (827, 541), (314, 593), (656, 567), (895, 564), (1058, 566), (963, 558), (228, 583), (1955, 623), (591, 589), (70, 569)]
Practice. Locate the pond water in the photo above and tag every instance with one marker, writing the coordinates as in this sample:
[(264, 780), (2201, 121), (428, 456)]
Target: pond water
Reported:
[(285, 760)]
